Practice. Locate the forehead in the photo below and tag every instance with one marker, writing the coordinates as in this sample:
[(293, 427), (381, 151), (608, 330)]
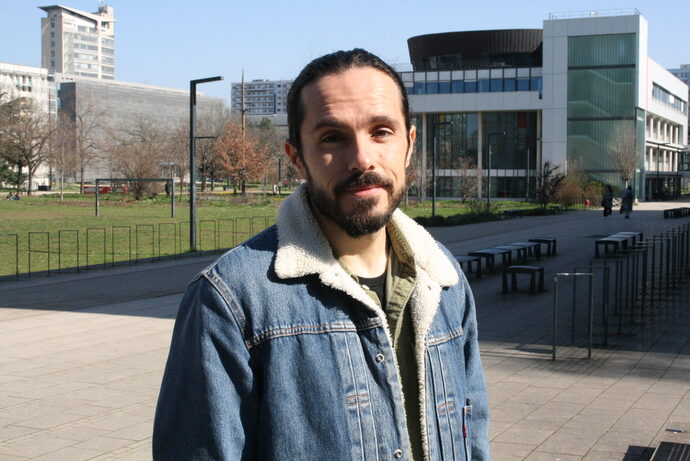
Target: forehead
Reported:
[(354, 91)]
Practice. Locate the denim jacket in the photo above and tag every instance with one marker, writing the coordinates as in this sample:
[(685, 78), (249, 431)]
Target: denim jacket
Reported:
[(278, 354)]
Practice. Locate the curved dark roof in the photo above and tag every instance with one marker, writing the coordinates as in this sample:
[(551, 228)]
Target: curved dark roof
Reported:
[(477, 45)]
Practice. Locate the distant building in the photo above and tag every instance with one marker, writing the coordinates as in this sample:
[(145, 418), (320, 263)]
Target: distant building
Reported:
[(119, 103), (75, 42), (683, 73), (511, 100), (30, 82), (37, 85), (261, 97)]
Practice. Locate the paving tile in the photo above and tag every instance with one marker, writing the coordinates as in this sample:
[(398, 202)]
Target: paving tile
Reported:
[(103, 444), (505, 449), (70, 453), (527, 432), (570, 441), (138, 431), (50, 420), (33, 447), (658, 402), (604, 456), (541, 456)]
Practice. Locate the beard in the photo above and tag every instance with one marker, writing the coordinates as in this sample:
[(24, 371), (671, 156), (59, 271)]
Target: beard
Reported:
[(362, 219)]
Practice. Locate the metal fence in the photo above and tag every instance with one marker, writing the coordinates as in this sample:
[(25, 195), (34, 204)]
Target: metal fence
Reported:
[(76, 250), (633, 284)]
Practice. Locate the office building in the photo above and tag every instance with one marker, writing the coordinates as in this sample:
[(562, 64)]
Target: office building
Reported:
[(75, 42), (510, 100), (261, 97), (29, 82), (683, 73), (118, 104), (36, 85)]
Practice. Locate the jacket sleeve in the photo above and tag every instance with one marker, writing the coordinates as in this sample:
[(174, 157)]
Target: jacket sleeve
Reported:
[(207, 405), (476, 386)]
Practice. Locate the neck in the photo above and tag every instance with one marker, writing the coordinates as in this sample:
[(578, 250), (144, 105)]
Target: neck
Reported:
[(365, 256)]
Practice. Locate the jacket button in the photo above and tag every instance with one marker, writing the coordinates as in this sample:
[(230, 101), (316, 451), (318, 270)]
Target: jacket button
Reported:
[(380, 358), (397, 454)]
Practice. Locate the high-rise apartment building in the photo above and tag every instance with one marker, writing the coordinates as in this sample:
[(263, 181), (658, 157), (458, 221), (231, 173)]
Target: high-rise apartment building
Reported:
[(75, 42), (261, 97)]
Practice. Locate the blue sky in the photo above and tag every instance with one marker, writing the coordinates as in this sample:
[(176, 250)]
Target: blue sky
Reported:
[(170, 43)]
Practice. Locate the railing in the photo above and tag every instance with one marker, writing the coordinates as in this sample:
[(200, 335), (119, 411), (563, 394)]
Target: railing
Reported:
[(638, 281), (75, 250), (594, 13)]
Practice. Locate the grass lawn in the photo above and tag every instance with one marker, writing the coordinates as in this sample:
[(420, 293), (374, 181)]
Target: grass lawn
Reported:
[(62, 235)]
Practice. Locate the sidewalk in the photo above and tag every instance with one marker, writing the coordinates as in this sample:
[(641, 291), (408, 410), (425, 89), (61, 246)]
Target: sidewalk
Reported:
[(81, 358)]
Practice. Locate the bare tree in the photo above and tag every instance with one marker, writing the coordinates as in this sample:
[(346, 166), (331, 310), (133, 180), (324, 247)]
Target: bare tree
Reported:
[(269, 140), (622, 150), (418, 176), (88, 126), (62, 156), (240, 156), (176, 151), (468, 178), (137, 154), (212, 124), (24, 136), (548, 183)]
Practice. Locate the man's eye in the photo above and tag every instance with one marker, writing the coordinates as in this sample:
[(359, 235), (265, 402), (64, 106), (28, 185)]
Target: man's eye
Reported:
[(331, 138), (382, 133)]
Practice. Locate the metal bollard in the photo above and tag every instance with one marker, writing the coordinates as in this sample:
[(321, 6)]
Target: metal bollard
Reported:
[(555, 308), (604, 298)]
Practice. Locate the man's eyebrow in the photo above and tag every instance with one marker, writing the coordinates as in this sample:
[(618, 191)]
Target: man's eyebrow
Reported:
[(329, 122)]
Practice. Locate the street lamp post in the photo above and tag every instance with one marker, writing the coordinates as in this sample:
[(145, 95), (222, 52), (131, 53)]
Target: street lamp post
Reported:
[(192, 155), (488, 171), (433, 165)]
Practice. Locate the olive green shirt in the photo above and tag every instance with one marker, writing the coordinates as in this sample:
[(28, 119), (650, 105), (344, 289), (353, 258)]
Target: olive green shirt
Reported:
[(400, 280)]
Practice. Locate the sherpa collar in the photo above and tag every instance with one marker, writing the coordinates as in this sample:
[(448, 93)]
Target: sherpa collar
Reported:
[(304, 250)]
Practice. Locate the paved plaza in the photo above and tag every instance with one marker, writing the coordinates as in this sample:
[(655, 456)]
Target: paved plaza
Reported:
[(81, 356)]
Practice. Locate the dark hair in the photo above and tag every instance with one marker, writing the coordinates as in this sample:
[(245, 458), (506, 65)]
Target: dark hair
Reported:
[(332, 64)]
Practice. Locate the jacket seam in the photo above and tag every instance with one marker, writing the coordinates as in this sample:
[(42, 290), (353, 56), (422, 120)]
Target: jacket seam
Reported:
[(435, 340), (230, 303), (307, 329)]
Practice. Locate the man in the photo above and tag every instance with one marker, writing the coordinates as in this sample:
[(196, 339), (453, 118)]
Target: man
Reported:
[(344, 332)]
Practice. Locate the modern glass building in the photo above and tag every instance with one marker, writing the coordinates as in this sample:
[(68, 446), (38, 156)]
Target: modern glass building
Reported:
[(495, 105)]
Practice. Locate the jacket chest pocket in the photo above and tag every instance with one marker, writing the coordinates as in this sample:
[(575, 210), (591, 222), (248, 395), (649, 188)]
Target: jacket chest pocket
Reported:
[(449, 411)]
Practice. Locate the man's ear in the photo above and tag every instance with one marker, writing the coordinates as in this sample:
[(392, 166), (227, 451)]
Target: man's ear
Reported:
[(296, 160), (410, 140)]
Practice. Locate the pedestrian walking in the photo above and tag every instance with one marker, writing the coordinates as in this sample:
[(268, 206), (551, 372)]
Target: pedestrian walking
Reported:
[(627, 204), (607, 201)]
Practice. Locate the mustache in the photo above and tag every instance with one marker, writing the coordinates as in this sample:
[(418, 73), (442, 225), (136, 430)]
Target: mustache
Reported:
[(368, 178)]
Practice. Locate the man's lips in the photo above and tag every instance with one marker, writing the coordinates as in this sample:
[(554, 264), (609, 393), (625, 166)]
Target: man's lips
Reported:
[(363, 190)]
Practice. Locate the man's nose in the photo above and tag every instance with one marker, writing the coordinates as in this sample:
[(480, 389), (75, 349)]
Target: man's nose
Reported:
[(362, 155)]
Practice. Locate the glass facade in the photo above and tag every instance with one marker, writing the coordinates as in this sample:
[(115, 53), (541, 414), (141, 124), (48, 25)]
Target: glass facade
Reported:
[(454, 137), (473, 81), (512, 138), (601, 97)]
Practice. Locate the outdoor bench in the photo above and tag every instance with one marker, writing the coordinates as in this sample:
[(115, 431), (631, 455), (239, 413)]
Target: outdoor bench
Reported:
[(533, 271)]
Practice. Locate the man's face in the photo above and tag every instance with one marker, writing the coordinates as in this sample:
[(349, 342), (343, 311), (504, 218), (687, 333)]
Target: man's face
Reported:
[(355, 148)]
